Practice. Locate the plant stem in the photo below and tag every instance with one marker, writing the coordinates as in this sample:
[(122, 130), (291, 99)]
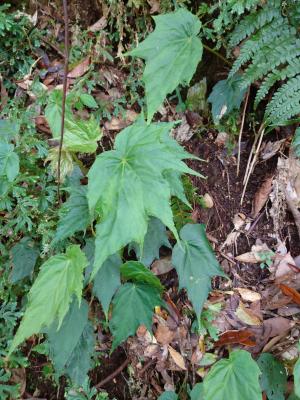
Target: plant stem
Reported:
[(217, 54)]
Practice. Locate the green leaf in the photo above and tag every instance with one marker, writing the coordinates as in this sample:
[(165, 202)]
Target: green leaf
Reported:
[(63, 341), (172, 53), (8, 130), (127, 185), (107, 281), (198, 392), (156, 237), (196, 264), (79, 135), (234, 378), (296, 142), (88, 100), (138, 273), (133, 306), (24, 256), (168, 395), (273, 380), (9, 161), (80, 362), (49, 298), (225, 97), (297, 378), (74, 214)]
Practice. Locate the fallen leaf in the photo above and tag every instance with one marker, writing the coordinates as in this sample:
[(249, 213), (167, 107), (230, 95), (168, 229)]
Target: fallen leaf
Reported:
[(98, 25), (248, 257), (183, 132), (261, 196), (116, 124), (283, 265), (208, 201), (236, 337), (18, 376), (248, 295), (246, 315), (288, 311), (177, 358), (221, 139), (277, 326), (162, 266), (290, 292), (270, 149), (164, 335), (80, 69)]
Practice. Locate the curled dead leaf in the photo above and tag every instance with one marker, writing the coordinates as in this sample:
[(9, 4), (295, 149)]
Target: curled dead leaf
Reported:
[(177, 358), (80, 69), (246, 315), (261, 196), (236, 337), (248, 295), (290, 292), (164, 335)]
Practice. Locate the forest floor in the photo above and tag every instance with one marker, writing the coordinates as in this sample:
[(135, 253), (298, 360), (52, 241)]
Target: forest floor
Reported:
[(256, 243)]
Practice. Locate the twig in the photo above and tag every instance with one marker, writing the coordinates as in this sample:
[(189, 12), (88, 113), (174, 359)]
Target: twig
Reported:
[(241, 132), (112, 375), (66, 62), (249, 171), (217, 54)]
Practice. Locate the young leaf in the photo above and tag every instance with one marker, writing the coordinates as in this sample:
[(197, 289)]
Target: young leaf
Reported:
[(195, 264), (79, 135), (225, 97), (9, 161), (127, 185), (24, 256), (107, 281), (49, 298), (74, 214), (133, 306), (273, 380), (156, 237), (297, 378), (234, 378), (62, 342), (88, 100), (168, 395), (172, 53), (80, 361), (136, 272)]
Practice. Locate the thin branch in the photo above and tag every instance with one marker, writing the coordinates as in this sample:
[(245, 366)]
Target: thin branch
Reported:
[(241, 132), (217, 54), (112, 375), (65, 81)]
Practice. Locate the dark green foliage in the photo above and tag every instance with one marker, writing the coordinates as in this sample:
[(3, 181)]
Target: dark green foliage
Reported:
[(270, 52), (273, 380)]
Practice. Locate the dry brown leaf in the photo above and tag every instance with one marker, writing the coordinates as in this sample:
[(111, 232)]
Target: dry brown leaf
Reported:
[(270, 149), (236, 337), (162, 266), (290, 292), (18, 376), (277, 326), (248, 295), (164, 335), (116, 124), (99, 25), (183, 132), (247, 258), (255, 255), (246, 315), (177, 358), (261, 196), (284, 266), (80, 69)]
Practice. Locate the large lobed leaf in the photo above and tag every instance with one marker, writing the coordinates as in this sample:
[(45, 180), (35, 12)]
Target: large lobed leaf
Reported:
[(49, 298), (24, 255), (195, 263), (129, 184), (234, 378), (172, 52), (273, 380)]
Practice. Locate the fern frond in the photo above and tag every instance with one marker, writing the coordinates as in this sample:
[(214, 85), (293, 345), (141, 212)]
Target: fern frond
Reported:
[(283, 50), (264, 36), (285, 103), (289, 71), (255, 21)]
